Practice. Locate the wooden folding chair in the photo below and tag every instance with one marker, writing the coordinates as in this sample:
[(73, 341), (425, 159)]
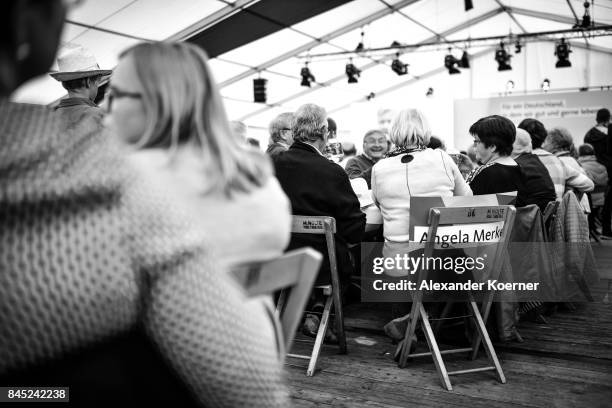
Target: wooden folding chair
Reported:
[(296, 270), (332, 292), (459, 216)]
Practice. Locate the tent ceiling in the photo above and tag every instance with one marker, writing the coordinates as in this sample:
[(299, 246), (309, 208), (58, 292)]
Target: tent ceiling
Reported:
[(251, 38)]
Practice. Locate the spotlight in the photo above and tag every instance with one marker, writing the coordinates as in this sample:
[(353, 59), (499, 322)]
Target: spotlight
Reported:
[(430, 92), (586, 18), (503, 58), (562, 51), (518, 47), (464, 62), (545, 84), (352, 72), (398, 66), (307, 76), (259, 90), (449, 63)]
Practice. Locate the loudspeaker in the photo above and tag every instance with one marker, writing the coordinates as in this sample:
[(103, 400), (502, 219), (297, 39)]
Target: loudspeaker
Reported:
[(259, 90)]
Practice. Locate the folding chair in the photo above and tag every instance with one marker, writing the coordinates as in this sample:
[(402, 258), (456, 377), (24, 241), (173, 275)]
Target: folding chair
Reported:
[(324, 226), (459, 216), (296, 270)]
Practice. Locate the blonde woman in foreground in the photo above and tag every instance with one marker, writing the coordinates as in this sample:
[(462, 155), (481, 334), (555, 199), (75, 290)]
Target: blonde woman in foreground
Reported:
[(163, 100)]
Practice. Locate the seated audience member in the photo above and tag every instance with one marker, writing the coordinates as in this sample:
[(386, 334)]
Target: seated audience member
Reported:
[(316, 186), (560, 143), (410, 169), (80, 76), (188, 148), (239, 130), (384, 119), (431, 173), (350, 151), (561, 174), (539, 188), (493, 138), (374, 148), (104, 287), (594, 169), (598, 173), (280, 134), (333, 150)]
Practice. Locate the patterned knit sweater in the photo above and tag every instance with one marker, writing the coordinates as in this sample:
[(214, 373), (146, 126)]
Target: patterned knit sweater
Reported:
[(88, 251)]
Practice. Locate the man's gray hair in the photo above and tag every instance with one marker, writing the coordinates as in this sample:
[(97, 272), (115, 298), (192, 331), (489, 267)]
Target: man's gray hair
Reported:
[(278, 124), (309, 123)]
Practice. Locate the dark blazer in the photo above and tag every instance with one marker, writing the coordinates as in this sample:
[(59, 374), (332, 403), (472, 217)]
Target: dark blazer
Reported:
[(316, 186)]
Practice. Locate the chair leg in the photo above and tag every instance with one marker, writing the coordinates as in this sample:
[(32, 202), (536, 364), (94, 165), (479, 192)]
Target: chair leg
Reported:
[(280, 303), (316, 350), (435, 350), (488, 345), (339, 322), (403, 348), (484, 313)]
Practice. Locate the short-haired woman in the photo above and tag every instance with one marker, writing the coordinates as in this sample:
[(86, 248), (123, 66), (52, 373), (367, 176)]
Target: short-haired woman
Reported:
[(493, 138)]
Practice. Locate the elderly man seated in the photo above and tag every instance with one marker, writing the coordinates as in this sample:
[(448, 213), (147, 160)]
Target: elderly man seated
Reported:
[(280, 134), (374, 148), (318, 187)]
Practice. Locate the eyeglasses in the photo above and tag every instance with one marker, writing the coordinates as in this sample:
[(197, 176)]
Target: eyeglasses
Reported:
[(117, 93)]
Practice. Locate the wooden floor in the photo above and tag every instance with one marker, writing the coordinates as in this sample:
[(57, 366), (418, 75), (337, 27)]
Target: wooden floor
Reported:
[(565, 363)]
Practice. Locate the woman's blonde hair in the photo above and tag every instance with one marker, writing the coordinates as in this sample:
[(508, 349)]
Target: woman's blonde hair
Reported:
[(182, 104), (410, 129)]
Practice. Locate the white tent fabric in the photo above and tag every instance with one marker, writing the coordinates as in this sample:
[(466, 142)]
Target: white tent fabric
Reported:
[(108, 27)]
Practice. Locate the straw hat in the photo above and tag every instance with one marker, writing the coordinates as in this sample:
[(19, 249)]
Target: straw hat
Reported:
[(77, 62)]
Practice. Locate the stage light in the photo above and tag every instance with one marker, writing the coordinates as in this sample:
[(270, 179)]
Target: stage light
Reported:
[(352, 72), (259, 90), (518, 47), (398, 66), (307, 76), (586, 18), (503, 58), (464, 62), (449, 63), (545, 85), (562, 51), (430, 92)]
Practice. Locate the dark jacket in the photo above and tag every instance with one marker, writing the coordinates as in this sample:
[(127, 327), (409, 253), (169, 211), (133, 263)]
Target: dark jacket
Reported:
[(602, 143), (360, 166), (538, 187), (316, 186)]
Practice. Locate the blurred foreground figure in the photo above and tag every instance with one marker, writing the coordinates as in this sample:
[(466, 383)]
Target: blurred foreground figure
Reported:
[(103, 287)]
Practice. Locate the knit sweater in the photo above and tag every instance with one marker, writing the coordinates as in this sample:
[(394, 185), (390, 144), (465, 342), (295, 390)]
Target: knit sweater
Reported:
[(90, 251)]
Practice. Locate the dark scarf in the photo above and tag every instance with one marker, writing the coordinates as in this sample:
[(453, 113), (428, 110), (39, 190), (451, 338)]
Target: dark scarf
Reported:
[(403, 150)]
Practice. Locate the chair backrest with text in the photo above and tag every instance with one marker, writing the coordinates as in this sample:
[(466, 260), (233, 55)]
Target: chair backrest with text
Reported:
[(296, 270)]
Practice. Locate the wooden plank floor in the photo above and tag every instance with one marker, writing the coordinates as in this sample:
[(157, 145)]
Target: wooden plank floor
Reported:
[(565, 363)]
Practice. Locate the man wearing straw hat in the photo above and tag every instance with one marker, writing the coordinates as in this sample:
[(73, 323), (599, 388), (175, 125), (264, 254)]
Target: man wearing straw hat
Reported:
[(80, 75)]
